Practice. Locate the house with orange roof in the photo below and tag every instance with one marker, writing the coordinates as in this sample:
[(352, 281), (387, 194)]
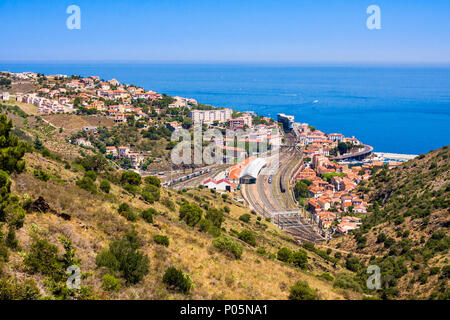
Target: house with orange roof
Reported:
[(344, 227)]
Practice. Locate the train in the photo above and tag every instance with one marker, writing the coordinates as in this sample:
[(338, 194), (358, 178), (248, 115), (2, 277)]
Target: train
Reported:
[(187, 177)]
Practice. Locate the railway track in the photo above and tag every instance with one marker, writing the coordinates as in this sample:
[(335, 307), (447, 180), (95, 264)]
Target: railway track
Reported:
[(267, 198)]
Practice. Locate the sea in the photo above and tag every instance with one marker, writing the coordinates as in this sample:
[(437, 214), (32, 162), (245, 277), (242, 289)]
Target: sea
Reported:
[(395, 108)]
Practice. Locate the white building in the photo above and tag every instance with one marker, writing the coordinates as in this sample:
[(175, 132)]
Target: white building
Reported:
[(209, 116)]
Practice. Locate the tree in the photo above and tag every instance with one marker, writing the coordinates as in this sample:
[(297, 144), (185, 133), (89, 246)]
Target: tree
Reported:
[(301, 190), (43, 258), (245, 218), (187, 123), (177, 280), (130, 177), (190, 213), (300, 259), (11, 239), (105, 186), (95, 163), (248, 237), (284, 254), (12, 149), (302, 291), (122, 256), (155, 181), (147, 215)]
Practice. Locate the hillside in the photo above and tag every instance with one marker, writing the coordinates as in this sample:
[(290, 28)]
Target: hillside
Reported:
[(58, 211), (407, 232)]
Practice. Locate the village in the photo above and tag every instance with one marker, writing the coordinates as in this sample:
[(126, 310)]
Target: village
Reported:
[(332, 200)]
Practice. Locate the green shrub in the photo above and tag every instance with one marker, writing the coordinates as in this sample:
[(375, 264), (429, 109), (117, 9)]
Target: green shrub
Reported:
[(215, 216), (228, 245), (190, 213), (11, 239), (445, 271), (14, 214), (155, 181), (130, 177), (162, 240), (177, 280), (302, 291), (347, 282), (245, 218), (261, 251), (110, 283), (300, 259), (204, 225), (122, 256), (126, 211), (284, 254), (87, 184), (226, 209), (147, 215), (105, 186), (353, 264), (131, 188), (4, 254), (91, 174), (43, 258), (150, 193), (41, 175), (11, 289), (248, 237), (326, 276)]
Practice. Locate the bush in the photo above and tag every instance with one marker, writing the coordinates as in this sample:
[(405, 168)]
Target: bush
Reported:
[(162, 240), (326, 276), (126, 211), (11, 239), (122, 256), (105, 186), (261, 251), (11, 289), (215, 216), (284, 254), (353, 264), (245, 218), (228, 245), (87, 184), (41, 175), (110, 283), (150, 193), (176, 280), (226, 209), (14, 213), (300, 259), (153, 181), (204, 225), (190, 213), (43, 258), (130, 177), (147, 215), (91, 174), (248, 237), (4, 254), (302, 291), (347, 282)]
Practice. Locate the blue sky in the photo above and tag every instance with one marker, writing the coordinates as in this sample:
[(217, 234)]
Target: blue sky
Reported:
[(413, 31)]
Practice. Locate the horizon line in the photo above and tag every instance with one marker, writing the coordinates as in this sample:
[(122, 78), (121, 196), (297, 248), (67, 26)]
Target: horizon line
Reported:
[(305, 63)]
